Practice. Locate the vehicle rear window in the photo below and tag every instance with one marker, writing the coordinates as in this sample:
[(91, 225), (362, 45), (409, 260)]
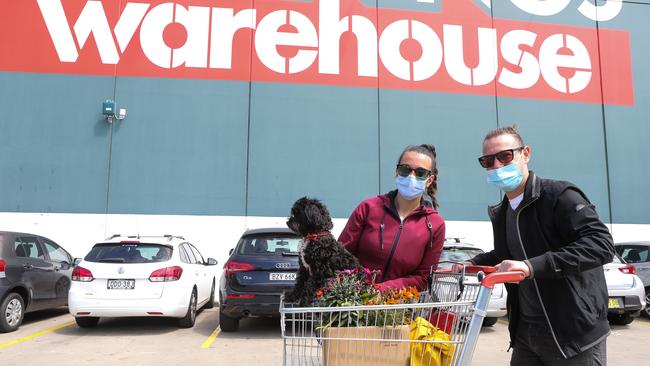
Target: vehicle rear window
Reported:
[(268, 245), (457, 255), (129, 253), (633, 253)]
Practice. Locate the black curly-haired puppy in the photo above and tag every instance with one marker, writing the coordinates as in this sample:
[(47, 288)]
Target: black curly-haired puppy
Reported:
[(320, 254)]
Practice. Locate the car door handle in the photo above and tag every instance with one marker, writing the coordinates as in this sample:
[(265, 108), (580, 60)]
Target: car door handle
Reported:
[(28, 266)]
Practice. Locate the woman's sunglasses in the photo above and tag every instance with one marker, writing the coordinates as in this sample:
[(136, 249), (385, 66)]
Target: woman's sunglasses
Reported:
[(504, 156), (404, 170)]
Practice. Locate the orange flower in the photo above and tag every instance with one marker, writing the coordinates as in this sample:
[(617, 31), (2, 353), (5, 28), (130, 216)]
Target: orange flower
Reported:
[(319, 293)]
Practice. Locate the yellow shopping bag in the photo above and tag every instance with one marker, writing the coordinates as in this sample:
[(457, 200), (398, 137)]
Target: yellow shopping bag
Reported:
[(439, 352)]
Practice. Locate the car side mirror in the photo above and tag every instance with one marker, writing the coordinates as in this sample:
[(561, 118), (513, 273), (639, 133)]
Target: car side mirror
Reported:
[(230, 251), (76, 261), (211, 262)]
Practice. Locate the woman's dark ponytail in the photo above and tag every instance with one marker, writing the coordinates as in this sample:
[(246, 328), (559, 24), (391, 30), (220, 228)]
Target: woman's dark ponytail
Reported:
[(433, 187)]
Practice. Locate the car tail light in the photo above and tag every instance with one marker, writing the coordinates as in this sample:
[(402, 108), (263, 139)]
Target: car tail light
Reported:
[(233, 267), (3, 265), (166, 274), (627, 269), (82, 274), (240, 296)]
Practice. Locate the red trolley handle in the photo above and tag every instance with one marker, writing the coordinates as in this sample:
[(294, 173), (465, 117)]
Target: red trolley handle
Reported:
[(473, 269), (476, 269), (493, 277)]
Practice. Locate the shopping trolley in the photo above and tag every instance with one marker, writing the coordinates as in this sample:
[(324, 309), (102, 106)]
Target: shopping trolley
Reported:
[(441, 328)]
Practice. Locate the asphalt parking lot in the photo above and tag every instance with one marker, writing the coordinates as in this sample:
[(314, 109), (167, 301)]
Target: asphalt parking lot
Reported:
[(52, 338)]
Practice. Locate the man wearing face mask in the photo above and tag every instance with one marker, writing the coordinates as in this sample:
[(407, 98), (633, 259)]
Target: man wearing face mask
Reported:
[(400, 233), (549, 230)]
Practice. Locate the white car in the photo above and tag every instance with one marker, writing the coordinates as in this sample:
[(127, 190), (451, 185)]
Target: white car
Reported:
[(163, 276), (637, 253), (626, 292), (456, 251)]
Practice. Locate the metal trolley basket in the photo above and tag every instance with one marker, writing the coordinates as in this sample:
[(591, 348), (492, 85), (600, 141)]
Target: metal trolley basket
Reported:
[(442, 328)]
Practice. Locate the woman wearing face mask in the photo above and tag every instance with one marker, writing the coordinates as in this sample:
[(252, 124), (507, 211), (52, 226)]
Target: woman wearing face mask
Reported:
[(400, 233)]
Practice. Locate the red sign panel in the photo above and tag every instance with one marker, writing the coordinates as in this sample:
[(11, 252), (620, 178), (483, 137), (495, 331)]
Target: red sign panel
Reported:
[(460, 49)]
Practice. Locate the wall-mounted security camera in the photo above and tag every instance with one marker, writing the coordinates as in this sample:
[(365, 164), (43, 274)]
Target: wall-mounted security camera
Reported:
[(109, 111)]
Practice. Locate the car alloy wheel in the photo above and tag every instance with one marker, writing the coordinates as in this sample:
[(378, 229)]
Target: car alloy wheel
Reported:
[(190, 316), (193, 307), (646, 310), (210, 303), (14, 312)]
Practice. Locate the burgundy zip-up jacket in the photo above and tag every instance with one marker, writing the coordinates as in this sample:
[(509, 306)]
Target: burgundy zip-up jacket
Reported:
[(405, 250)]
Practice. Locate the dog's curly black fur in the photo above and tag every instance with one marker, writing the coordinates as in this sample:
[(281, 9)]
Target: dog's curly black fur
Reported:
[(322, 255)]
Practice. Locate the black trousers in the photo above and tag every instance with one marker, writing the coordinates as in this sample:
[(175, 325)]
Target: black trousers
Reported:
[(534, 345)]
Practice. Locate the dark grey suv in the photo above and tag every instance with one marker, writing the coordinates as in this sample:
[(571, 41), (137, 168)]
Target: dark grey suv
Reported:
[(261, 267), (34, 275)]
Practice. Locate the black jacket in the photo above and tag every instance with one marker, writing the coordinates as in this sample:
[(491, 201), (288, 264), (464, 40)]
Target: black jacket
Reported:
[(566, 245)]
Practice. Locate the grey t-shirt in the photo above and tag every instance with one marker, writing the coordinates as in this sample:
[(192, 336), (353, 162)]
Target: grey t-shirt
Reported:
[(530, 308)]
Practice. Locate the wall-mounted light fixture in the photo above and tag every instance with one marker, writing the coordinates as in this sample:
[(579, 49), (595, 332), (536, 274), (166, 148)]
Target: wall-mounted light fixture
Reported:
[(109, 111)]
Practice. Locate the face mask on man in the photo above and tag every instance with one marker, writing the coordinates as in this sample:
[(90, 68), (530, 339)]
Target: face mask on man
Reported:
[(410, 187), (507, 178)]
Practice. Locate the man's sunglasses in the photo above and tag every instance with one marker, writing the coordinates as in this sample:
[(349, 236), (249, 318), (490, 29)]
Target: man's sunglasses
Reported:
[(504, 156), (404, 170)]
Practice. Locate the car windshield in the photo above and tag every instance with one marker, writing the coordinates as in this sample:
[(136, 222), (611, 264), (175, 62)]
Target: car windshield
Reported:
[(129, 253), (455, 254), (268, 245)]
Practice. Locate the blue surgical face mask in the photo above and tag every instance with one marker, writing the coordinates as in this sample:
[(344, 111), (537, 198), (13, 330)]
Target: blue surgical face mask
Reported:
[(409, 187), (507, 178)]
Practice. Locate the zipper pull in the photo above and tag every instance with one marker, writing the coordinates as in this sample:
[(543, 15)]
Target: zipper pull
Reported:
[(381, 235)]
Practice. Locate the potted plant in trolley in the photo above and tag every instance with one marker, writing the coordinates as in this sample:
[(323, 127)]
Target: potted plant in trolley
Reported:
[(364, 325)]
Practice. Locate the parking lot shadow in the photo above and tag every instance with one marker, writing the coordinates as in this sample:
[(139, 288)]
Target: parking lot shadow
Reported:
[(255, 328), (488, 330), (111, 327), (41, 315)]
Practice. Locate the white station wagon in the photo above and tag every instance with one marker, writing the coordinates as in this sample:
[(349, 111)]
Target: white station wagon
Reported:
[(164, 276)]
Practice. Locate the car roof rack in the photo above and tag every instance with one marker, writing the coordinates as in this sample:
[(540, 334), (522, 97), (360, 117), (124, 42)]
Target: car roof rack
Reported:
[(454, 239), (168, 236)]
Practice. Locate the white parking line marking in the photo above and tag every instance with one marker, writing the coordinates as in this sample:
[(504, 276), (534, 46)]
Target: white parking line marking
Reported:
[(211, 338), (20, 340)]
